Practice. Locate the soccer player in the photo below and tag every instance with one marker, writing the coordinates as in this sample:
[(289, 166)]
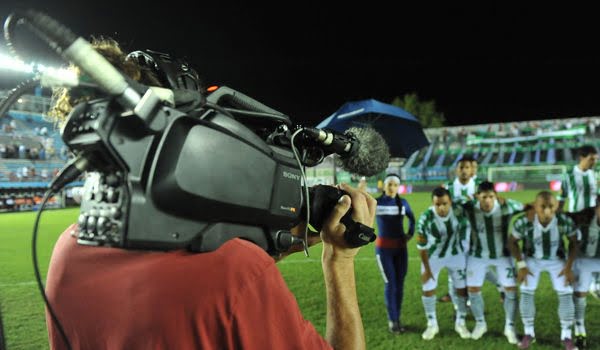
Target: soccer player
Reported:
[(543, 250), (587, 263), (443, 242), (461, 189), (580, 187), (489, 219), (464, 186), (391, 247)]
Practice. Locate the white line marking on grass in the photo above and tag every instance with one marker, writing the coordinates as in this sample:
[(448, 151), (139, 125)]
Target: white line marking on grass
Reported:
[(28, 283)]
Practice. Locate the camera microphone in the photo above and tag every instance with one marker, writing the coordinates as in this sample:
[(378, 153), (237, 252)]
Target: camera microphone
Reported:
[(363, 151)]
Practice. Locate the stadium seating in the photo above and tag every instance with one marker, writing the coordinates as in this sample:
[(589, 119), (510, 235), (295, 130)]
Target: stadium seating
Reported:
[(541, 142), (513, 144)]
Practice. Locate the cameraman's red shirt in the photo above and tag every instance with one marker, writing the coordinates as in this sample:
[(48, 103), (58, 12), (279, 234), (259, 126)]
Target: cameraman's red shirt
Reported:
[(232, 298)]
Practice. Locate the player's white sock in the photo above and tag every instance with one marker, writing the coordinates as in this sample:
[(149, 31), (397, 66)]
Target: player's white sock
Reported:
[(580, 305), (429, 306), (566, 310), (477, 306), (527, 309), (461, 309), (510, 307)]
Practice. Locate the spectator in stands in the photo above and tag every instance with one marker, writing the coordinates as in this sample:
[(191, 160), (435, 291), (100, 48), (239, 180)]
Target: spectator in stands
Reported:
[(514, 130), (568, 124), (3, 151), (50, 153), (22, 151), (64, 153), (25, 172), (33, 153), (591, 126)]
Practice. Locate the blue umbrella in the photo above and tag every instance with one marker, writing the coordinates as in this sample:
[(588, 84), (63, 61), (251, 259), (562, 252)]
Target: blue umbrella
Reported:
[(401, 130)]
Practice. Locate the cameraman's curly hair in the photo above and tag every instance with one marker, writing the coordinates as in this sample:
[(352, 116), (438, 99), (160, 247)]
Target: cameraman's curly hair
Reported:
[(62, 102)]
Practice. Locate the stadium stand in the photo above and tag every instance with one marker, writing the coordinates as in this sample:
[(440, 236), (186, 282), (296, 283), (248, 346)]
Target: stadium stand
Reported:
[(513, 145), (31, 153)]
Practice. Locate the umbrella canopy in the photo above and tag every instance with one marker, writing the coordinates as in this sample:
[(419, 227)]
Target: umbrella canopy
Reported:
[(400, 129)]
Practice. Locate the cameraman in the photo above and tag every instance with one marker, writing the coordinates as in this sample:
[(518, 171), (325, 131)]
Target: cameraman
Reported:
[(230, 298)]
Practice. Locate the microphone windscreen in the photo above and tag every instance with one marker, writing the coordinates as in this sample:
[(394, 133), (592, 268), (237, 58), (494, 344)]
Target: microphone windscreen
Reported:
[(372, 155)]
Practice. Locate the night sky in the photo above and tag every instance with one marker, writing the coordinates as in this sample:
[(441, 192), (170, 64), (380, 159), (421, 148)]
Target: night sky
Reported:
[(486, 63)]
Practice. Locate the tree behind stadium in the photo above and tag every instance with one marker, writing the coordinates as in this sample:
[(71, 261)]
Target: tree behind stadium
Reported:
[(425, 111)]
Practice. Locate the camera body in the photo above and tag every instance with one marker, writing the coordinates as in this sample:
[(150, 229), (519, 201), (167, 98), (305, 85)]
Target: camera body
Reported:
[(182, 180)]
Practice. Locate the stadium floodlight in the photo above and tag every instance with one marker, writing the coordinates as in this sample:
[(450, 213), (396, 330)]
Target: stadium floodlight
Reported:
[(10, 63), (50, 76)]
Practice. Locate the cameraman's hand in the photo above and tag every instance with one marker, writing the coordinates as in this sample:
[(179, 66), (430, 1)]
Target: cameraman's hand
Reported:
[(344, 324), (298, 231), (332, 232)]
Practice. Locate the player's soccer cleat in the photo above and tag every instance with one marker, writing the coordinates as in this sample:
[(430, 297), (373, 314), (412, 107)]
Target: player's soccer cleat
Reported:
[(511, 335), (462, 330), (581, 341), (569, 344), (526, 342), (479, 330), (430, 332)]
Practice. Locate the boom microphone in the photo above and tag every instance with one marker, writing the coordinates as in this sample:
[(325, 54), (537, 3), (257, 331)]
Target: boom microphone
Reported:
[(373, 155), (363, 151)]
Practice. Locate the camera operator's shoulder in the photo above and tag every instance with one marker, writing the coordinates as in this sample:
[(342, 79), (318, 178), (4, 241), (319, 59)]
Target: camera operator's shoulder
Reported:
[(242, 262), (245, 252)]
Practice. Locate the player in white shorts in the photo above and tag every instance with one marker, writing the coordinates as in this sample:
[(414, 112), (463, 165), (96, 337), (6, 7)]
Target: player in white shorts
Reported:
[(489, 219), (586, 265), (443, 243), (542, 234)]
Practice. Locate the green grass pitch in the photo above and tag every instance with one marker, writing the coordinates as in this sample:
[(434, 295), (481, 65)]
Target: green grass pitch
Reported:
[(25, 328)]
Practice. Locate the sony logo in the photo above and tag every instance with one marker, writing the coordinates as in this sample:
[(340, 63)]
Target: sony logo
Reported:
[(291, 176)]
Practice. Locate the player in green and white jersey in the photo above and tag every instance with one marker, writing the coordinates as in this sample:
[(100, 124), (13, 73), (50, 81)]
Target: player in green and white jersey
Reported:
[(462, 190), (579, 185), (464, 185), (489, 219), (443, 242), (543, 236), (587, 263)]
